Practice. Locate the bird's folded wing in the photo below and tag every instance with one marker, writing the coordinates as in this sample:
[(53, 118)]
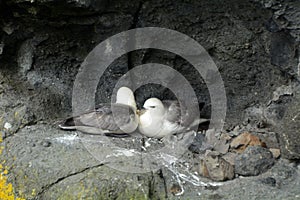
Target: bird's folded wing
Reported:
[(182, 116), (173, 111), (108, 117)]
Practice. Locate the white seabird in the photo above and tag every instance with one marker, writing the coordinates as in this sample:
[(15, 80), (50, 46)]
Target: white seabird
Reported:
[(108, 118), (160, 119)]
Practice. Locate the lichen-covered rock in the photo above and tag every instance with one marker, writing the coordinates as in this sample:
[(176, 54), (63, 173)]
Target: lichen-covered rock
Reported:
[(52, 164), (101, 183), (253, 161)]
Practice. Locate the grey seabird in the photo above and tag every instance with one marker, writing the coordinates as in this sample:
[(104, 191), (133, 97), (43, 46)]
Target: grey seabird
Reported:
[(160, 119), (108, 118)]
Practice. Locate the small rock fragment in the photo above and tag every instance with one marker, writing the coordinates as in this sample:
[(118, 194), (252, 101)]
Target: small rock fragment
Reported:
[(253, 161), (269, 181), (1, 48), (225, 136), (270, 139), (235, 131), (18, 118), (217, 140), (221, 146), (175, 189), (275, 152), (46, 143), (216, 168), (230, 157), (7, 126), (281, 91), (240, 143), (197, 144)]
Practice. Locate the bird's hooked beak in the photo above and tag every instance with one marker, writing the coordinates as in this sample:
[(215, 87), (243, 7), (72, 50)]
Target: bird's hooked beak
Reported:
[(140, 112)]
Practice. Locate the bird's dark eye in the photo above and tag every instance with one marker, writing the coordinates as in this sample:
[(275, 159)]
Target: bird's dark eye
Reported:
[(152, 106)]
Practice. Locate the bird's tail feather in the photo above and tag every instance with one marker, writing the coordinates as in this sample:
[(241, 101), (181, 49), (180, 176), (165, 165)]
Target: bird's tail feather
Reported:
[(68, 124), (199, 121)]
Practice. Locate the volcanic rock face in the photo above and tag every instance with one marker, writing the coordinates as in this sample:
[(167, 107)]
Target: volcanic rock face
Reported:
[(289, 130), (43, 43)]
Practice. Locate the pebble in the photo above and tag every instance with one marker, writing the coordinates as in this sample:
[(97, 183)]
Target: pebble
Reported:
[(269, 181), (46, 143), (275, 152), (221, 147), (197, 144), (217, 140), (7, 126), (235, 131)]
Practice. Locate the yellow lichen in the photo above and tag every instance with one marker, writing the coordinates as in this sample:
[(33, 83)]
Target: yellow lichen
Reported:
[(33, 192), (6, 189), (16, 114)]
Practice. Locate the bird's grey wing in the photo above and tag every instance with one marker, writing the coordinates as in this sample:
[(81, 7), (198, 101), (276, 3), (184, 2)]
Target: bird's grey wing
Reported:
[(181, 115), (173, 113), (112, 117), (87, 118), (102, 118)]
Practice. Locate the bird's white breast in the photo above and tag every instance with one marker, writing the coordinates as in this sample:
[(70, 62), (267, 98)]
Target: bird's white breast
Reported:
[(150, 125), (158, 127)]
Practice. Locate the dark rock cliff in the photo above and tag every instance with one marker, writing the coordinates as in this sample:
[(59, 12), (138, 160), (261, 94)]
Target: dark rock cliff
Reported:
[(255, 45)]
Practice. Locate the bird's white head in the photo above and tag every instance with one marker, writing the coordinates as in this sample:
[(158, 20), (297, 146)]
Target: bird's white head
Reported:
[(154, 105), (125, 96)]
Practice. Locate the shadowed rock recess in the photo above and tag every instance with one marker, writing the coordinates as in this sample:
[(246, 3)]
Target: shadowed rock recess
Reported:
[(255, 45)]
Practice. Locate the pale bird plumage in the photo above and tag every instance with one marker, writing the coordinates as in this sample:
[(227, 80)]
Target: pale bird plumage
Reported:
[(161, 119)]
